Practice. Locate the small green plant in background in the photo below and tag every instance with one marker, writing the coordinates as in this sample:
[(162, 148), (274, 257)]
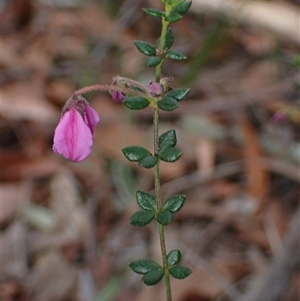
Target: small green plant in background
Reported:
[(74, 138)]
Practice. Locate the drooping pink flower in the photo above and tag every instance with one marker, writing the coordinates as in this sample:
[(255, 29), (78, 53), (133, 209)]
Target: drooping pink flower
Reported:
[(73, 137)]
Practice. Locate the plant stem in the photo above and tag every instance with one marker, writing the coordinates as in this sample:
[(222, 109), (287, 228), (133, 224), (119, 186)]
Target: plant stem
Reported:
[(161, 47), (109, 88), (160, 206), (158, 197)]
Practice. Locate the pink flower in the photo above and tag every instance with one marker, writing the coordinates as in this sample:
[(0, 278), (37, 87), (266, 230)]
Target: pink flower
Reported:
[(117, 96), (279, 117), (92, 117), (156, 89), (73, 137)]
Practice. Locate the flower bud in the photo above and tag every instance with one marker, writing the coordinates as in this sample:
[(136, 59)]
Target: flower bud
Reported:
[(165, 82), (156, 89), (117, 96), (279, 117)]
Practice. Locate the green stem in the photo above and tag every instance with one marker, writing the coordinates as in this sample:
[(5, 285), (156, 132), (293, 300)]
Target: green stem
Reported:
[(165, 25), (156, 168), (160, 206)]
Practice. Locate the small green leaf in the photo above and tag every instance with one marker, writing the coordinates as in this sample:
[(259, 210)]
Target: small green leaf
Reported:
[(180, 272), (153, 12), (164, 217), (143, 266), (182, 8), (173, 17), (146, 200), (173, 257), (153, 61), (135, 153), (167, 104), (167, 140), (148, 161), (141, 218), (175, 55), (178, 93), (145, 48), (169, 39), (171, 154), (136, 102), (153, 277), (174, 203)]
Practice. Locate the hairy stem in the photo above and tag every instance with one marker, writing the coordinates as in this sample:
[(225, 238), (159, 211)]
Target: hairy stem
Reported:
[(161, 47), (159, 202), (108, 88), (158, 197), (130, 83)]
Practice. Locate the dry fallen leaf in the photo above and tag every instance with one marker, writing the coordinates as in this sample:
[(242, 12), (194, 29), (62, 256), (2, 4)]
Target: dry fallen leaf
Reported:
[(281, 18), (52, 278), (258, 179), (12, 199), (13, 251), (24, 100)]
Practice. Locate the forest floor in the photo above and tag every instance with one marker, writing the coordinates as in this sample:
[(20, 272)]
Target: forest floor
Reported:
[(65, 232)]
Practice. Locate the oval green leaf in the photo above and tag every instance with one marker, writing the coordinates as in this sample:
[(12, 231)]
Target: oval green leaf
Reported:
[(175, 55), (148, 161), (173, 16), (153, 277), (164, 218), (136, 102), (146, 200), (153, 61), (169, 40), (182, 8), (174, 203), (145, 48), (143, 266), (173, 257), (171, 154), (153, 12), (168, 104), (178, 93), (167, 140), (135, 153), (141, 218), (180, 272)]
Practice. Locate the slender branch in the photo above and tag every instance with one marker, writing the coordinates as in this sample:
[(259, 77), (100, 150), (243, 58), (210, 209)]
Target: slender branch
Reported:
[(109, 88), (130, 82), (161, 47), (156, 168), (160, 206)]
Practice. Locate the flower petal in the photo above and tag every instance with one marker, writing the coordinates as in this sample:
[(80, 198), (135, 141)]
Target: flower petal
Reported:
[(73, 138), (117, 96), (92, 117), (156, 89)]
